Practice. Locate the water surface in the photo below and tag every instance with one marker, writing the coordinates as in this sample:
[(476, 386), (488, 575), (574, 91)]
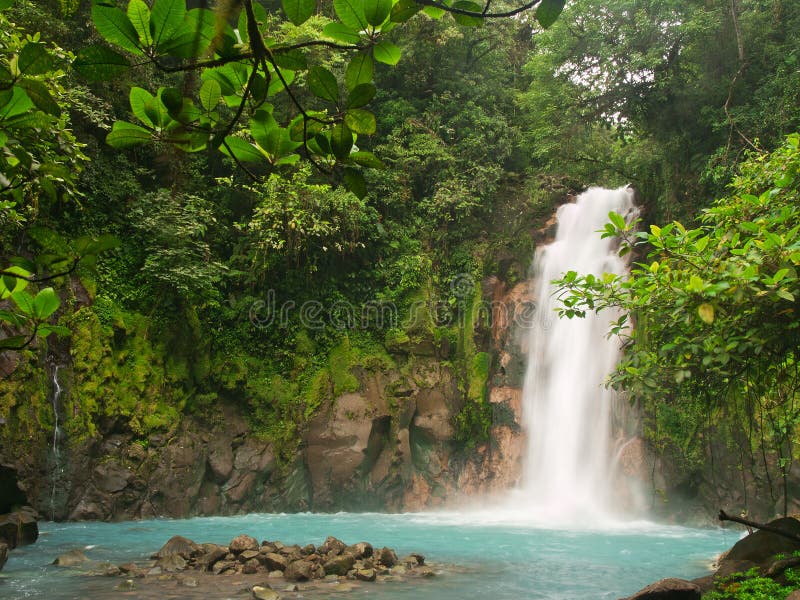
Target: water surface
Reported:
[(502, 558)]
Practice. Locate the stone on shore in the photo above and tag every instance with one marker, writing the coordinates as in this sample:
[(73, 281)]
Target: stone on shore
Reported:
[(264, 593), (243, 542), (669, 589)]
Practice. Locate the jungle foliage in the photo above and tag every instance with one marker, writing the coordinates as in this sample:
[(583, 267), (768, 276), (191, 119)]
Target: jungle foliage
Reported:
[(237, 164)]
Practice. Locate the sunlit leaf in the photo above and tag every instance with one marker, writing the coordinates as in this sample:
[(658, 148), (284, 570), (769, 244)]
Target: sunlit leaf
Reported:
[(360, 70), (299, 11), (322, 83), (387, 53), (548, 11)]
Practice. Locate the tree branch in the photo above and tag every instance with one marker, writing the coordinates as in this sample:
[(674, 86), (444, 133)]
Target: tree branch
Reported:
[(723, 516), (480, 15)]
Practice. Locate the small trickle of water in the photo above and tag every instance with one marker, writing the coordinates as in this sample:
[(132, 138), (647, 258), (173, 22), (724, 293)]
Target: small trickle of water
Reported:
[(566, 408), (57, 468)]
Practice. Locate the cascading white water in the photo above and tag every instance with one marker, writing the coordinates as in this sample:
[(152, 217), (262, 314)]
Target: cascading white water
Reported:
[(566, 409)]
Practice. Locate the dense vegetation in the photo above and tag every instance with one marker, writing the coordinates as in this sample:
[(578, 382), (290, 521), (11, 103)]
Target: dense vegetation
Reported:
[(223, 261)]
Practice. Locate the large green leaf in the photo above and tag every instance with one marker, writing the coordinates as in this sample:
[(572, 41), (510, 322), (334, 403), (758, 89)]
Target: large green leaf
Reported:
[(387, 53), (361, 95), (144, 107), (139, 15), (404, 10), (322, 84), (548, 11), (127, 135), (299, 11), (166, 19), (13, 280), (366, 159), (14, 102), (34, 59), (291, 59), (351, 13), (341, 140), (468, 20), (100, 62), (241, 150), (45, 303), (360, 121), (115, 26), (40, 95), (210, 94), (354, 181), (341, 33), (24, 302), (360, 70), (376, 11)]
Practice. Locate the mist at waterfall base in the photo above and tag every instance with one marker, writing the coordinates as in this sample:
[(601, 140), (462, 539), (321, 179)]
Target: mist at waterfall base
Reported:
[(556, 537)]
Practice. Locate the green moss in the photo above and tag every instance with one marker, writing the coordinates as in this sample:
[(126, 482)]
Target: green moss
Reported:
[(25, 405), (119, 372)]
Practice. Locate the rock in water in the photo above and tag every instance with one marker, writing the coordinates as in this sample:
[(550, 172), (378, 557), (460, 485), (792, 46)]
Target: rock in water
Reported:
[(264, 593), (3, 554), (339, 565), (19, 528), (669, 589), (171, 563), (71, 558), (760, 546), (299, 570), (178, 545)]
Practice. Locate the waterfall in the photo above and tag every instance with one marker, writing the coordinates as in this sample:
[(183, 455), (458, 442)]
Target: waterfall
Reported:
[(566, 409)]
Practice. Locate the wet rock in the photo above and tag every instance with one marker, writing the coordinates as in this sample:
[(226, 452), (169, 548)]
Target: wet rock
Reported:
[(243, 542), (171, 563), (128, 568), (112, 571), (3, 554), (669, 589), (248, 555), (264, 593), (211, 553), (299, 570), (71, 558), (126, 586), (275, 562), (179, 545), (339, 565), (187, 581), (360, 550), (111, 477), (308, 549), (332, 545), (19, 528), (222, 565), (251, 566), (366, 575), (292, 587), (387, 557)]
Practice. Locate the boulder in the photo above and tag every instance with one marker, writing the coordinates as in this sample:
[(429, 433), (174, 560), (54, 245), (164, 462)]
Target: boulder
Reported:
[(211, 553), (71, 558), (366, 575), (300, 570), (387, 557), (360, 550), (274, 561), (243, 542), (339, 565), (179, 545), (264, 593), (332, 545), (669, 589), (171, 563), (19, 528), (760, 546), (251, 566), (3, 554)]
